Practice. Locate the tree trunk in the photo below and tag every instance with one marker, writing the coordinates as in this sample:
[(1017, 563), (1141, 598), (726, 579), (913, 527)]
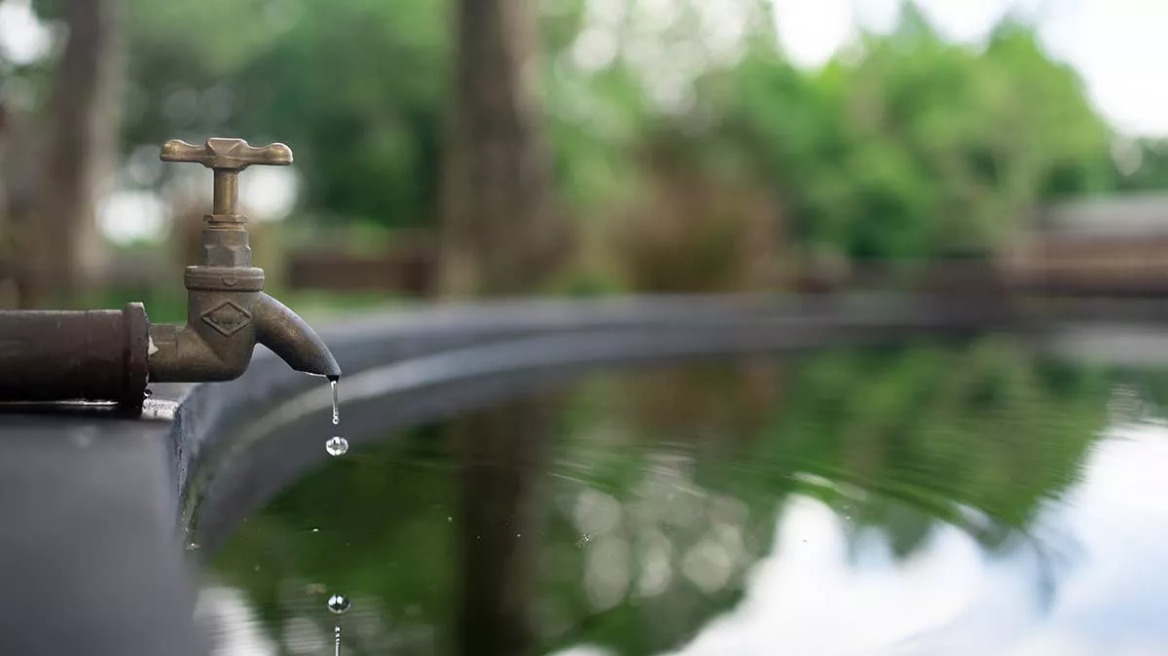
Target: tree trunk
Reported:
[(499, 238), (79, 156), (499, 233)]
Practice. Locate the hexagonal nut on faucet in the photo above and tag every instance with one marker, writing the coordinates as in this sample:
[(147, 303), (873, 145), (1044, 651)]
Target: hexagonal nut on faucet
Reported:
[(226, 248)]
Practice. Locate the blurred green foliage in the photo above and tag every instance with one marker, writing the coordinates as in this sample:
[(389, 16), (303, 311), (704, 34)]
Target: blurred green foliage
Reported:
[(914, 146), (897, 441), (904, 146), (1143, 165), (356, 88)]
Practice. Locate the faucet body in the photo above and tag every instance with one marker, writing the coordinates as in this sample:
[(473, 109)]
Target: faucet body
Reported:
[(227, 315), (111, 355)]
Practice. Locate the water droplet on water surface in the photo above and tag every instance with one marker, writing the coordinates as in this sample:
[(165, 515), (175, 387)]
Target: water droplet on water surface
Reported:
[(338, 604), (336, 446)]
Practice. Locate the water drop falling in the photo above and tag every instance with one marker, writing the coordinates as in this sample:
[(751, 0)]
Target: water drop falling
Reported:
[(338, 603), (336, 404), (336, 446)]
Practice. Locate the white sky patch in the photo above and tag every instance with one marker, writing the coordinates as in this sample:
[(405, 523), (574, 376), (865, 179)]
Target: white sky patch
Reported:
[(232, 621), (129, 216), (1117, 46), (807, 598), (267, 193), (23, 39), (594, 48), (586, 650), (961, 20), (725, 27), (876, 15), (811, 32)]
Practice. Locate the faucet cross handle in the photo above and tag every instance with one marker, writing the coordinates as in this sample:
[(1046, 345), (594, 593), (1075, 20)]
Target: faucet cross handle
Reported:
[(226, 157), (226, 154)]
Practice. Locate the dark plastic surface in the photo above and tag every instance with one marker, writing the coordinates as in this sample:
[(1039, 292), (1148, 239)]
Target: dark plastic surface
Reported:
[(89, 554)]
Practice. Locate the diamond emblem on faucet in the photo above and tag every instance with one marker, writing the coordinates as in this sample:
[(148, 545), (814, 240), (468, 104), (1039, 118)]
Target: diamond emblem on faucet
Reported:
[(227, 318)]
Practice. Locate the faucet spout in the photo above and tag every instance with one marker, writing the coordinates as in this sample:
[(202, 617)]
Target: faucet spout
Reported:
[(290, 337)]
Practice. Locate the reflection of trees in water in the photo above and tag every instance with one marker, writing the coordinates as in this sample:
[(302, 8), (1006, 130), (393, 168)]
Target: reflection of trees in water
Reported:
[(646, 549), (898, 440), (500, 453), (664, 492), (986, 427)]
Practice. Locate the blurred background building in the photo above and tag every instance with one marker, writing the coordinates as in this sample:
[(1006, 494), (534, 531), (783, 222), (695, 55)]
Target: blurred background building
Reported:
[(454, 148)]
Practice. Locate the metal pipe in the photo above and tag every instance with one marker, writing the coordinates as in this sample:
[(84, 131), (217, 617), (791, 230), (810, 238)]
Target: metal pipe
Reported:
[(95, 355), (225, 192)]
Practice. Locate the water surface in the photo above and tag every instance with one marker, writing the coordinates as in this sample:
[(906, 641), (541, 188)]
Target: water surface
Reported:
[(928, 499)]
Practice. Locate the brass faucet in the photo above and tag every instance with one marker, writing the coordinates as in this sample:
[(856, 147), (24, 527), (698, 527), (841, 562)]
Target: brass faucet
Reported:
[(111, 355), (227, 311)]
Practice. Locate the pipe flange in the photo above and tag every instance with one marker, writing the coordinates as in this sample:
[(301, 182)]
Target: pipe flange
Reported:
[(225, 279), (134, 356)]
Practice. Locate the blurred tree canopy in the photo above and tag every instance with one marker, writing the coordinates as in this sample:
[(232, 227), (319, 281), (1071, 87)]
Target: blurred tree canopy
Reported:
[(357, 88), (909, 145), (903, 146)]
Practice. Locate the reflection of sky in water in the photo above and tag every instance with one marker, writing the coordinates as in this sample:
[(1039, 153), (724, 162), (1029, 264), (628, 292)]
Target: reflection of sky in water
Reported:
[(807, 597), (818, 591), (231, 622)]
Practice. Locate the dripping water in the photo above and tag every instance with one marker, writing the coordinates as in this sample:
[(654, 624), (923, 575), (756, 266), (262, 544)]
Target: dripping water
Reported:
[(338, 604), (336, 406), (336, 445)]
